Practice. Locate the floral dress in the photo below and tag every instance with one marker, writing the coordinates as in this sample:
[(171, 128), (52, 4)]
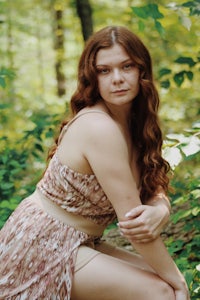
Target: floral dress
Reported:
[(37, 251)]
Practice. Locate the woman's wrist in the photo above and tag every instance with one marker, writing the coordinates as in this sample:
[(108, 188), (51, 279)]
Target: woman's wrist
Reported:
[(161, 201), (160, 198)]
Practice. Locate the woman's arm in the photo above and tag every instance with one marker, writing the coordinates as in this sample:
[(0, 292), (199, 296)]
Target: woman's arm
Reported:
[(157, 256), (105, 149), (145, 223)]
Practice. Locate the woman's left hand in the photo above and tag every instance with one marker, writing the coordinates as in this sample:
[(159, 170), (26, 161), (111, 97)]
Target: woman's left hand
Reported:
[(144, 223)]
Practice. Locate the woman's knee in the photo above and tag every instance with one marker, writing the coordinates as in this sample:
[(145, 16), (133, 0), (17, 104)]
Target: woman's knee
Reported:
[(115, 279)]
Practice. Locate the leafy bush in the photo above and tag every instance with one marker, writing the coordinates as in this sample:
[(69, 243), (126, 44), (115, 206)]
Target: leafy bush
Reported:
[(19, 159), (13, 163), (6, 75), (186, 250)]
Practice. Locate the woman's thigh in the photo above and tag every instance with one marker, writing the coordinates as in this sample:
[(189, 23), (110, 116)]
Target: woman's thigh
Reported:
[(131, 257), (109, 278)]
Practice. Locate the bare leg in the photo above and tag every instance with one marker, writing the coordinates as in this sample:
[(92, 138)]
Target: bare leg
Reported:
[(109, 278), (131, 257)]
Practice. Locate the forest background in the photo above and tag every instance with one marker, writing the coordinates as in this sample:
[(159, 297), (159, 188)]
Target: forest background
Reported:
[(40, 43)]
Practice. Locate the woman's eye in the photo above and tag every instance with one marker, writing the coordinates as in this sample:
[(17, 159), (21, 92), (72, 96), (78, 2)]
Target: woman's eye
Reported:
[(103, 71), (128, 66)]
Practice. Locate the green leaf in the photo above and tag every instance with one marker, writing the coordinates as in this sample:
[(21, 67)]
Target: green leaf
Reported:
[(173, 156), (190, 75), (195, 211), (2, 82), (195, 193), (7, 72), (154, 11), (192, 147), (188, 4), (179, 78), (6, 186), (165, 84), (164, 71), (186, 60), (186, 21), (176, 246), (194, 7), (188, 276), (179, 137), (39, 147), (150, 10), (159, 28), (180, 215), (180, 200), (49, 133), (141, 12)]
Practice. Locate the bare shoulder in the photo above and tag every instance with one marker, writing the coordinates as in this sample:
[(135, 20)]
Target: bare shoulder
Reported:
[(97, 119), (99, 126), (95, 144), (105, 148)]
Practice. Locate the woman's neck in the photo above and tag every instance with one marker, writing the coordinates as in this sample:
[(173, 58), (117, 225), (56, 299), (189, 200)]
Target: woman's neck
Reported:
[(119, 113)]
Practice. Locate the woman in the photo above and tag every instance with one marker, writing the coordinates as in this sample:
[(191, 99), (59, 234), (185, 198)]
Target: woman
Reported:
[(111, 149)]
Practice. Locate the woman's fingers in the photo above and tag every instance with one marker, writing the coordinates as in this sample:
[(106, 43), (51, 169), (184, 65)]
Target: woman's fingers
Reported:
[(131, 224), (137, 234), (135, 212), (143, 223)]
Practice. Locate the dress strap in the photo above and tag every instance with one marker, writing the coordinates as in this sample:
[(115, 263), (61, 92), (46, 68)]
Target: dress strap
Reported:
[(76, 117)]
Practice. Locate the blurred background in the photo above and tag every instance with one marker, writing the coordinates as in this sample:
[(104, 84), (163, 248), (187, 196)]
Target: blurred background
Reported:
[(40, 44)]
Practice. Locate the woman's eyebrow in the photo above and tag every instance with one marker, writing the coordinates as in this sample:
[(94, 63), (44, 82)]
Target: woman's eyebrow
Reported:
[(122, 62)]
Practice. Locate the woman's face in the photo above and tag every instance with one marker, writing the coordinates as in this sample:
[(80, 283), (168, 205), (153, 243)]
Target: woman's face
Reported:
[(117, 75)]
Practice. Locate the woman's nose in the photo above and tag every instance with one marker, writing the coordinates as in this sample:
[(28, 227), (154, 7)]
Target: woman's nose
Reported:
[(117, 76)]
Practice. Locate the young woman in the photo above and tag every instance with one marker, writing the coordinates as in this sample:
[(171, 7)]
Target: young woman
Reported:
[(106, 163)]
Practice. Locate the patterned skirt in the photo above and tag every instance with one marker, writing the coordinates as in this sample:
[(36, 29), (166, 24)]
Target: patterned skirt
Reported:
[(37, 255)]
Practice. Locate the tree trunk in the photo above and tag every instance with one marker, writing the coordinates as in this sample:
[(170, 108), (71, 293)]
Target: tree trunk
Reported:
[(10, 51), (84, 11), (59, 47), (39, 52)]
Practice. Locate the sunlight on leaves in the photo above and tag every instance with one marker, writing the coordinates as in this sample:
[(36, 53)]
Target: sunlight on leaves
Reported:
[(186, 22), (173, 156), (192, 147)]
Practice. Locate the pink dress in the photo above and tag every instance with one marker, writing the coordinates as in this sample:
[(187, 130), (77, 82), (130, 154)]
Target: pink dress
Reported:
[(37, 251)]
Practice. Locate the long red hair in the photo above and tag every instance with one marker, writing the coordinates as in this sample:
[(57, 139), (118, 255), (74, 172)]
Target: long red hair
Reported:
[(144, 124)]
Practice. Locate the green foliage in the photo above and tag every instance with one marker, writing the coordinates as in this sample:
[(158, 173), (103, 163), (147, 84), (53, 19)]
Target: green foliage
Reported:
[(6, 74), (29, 108), (153, 11), (40, 137), (180, 76), (186, 252), (179, 147), (13, 163), (194, 7), (18, 160), (150, 11)]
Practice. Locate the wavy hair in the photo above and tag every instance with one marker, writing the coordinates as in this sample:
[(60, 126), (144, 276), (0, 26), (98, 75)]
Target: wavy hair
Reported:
[(144, 124)]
